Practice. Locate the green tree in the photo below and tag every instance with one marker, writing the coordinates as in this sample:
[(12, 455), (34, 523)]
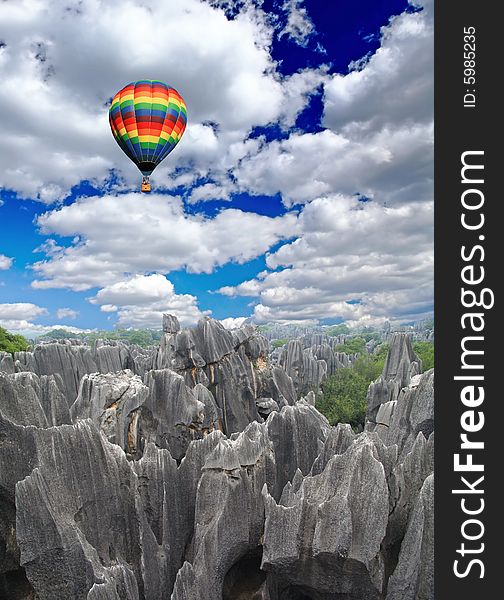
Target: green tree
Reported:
[(354, 345), (279, 343), (343, 398), (425, 351), (58, 334), (369, 366), (10, 342), (335, 330)]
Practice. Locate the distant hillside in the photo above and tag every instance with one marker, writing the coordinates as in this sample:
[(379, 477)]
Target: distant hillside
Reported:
[(140, 337)]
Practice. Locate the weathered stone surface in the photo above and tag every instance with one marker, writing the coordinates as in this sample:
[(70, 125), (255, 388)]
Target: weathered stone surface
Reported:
[(326, 532), (338, 440), (71, 360), (400, 366), (303, 366), (27, 399), (212, 419), (405, 483), (413, 413), (265, 406), (69, 510), (121, 585), (166, 504), (170, 324), (18, 457), (216, 480), (298, 434), (171, 416), (413, 578), (232, 364), (112, 401), (233, 477), (6, 363)]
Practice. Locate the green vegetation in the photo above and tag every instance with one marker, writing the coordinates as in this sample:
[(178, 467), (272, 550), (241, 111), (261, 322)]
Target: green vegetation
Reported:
[(335, 330), (58, 334), (425, 351), (354, 345), (10, 342), (264, 328), (370, 366), (344, 394), (369, 334), (140, 337), (343, 398), (279, 343)]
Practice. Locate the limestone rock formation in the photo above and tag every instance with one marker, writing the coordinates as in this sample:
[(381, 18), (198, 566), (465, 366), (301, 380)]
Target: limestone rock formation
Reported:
[(71, 360), (232, 364), (112, 401), (311, 359), (201, 470), (400, 366), (28, 399), (6, 363)]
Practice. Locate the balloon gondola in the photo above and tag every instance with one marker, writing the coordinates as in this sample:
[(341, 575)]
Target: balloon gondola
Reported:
[(147, 119)]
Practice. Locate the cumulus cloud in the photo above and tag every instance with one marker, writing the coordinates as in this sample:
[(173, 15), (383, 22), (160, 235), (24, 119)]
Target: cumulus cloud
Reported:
[(363, 261), (19, 317), (392, 165), (141, 301), (378, 136), (60, 62), (20, 310), (395, 85), (339, 257), (136, 233), (355, 260), (67, 313), (5, 262), (234, 322), (299, 27)]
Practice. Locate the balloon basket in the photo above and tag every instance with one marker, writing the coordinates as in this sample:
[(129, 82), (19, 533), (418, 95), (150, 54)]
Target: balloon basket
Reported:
[(146, 186)]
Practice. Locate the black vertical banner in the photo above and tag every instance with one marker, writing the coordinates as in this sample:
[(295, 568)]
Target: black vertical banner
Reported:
[(468, 254)]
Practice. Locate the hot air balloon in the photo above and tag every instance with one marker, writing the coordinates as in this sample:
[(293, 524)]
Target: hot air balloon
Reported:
[(147, 119)]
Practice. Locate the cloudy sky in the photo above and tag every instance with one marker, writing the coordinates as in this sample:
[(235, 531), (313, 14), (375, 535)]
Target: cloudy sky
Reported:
[(301, 190)]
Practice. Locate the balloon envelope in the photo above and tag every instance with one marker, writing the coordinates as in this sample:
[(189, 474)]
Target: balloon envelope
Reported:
[(147, 119)]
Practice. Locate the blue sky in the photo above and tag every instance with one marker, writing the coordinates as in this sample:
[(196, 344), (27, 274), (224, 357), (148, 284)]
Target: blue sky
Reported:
[(298, 111)]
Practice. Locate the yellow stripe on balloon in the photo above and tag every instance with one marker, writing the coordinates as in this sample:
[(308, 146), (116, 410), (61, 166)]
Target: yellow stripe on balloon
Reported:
[(148, 138)]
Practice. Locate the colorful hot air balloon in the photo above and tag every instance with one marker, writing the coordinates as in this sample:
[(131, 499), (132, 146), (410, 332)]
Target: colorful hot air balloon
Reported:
[(147, 119)]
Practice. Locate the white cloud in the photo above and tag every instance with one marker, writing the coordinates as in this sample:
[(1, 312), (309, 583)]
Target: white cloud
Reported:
[(32, 330), (394, 86), (362, 261), (136, 233), (209, 191), (62, 61), (391, 165), (297, 91), (299, 26), (19, 311), (5, 262), (378, 139), (67, 313), (379, 258), (142, 300), (233, 322), (18, 317), (377, 143), (109, 308)]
